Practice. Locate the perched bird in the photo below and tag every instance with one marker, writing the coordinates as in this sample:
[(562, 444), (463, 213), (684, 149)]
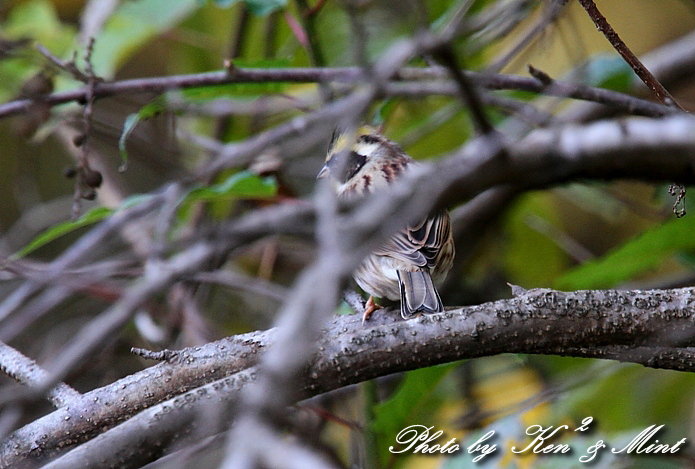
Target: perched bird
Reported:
[(404, 267)]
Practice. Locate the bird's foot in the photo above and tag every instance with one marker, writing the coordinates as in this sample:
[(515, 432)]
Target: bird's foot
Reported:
[(369, 308)]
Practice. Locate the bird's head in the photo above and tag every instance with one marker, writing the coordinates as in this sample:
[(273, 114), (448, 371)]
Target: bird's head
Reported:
[(361, 160)]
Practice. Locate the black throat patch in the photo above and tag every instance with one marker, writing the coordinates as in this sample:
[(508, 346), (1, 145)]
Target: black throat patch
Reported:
[(344, 166)]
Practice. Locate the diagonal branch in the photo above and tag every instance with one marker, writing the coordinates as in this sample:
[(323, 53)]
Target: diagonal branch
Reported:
[(642, 72)]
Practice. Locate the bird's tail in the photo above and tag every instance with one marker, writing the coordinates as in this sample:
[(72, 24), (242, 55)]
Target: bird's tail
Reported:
[(418, 294)]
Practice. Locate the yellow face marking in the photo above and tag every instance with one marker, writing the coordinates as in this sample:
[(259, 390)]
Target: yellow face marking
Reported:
[(346, 140), (341, 144)]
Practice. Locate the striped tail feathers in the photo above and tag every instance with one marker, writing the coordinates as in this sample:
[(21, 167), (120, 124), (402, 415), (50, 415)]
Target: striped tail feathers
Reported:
[(418, 294)]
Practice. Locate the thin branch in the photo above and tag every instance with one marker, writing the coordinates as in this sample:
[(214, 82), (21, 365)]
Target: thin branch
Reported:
[(432, 83), (308, 18), (26, 371), (671, 63), (236, 46), (88, 179), (67, 65), (270, 34), (522, 109), (642, 72), (564, 241), (94, 15), (96, 333), (617, 101), (467, 91), (239, 33)]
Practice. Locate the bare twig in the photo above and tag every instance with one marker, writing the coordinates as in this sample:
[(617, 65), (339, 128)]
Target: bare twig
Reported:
[(429, 82), (642, 72), (237, 43), (617, 101), (468, 93), (313, 46), (239, 33), (97, 332), (521, 109), (161, 356), (94, 15), (87, 179), (270, 34), (308, 18), (568, 244), (67, 65)]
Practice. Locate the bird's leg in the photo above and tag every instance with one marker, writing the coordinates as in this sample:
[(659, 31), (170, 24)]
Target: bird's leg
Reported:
[(369, 308)]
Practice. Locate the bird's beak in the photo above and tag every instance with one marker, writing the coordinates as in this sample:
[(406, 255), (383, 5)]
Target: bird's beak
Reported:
[(323, 173)]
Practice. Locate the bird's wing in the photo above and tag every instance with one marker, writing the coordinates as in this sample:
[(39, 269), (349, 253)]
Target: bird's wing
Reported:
[(419, 245)]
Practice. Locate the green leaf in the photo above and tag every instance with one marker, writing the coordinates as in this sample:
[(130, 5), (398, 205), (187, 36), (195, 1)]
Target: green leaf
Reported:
[(634, 257), (262, 63), (150, 109), (92, 216), (609, 72), (38, 20), (241, 185), (410, 403), (383, 111)]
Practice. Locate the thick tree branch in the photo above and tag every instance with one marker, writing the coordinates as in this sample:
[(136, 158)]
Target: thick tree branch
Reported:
[(653, 328)]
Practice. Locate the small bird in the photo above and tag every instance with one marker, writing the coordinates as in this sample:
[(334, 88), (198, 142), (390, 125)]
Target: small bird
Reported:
[(404, 267)]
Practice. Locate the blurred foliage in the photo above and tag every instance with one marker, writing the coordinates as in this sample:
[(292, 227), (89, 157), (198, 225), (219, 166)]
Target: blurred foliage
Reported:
[(56, 231), (626, 238), (632, 258)]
